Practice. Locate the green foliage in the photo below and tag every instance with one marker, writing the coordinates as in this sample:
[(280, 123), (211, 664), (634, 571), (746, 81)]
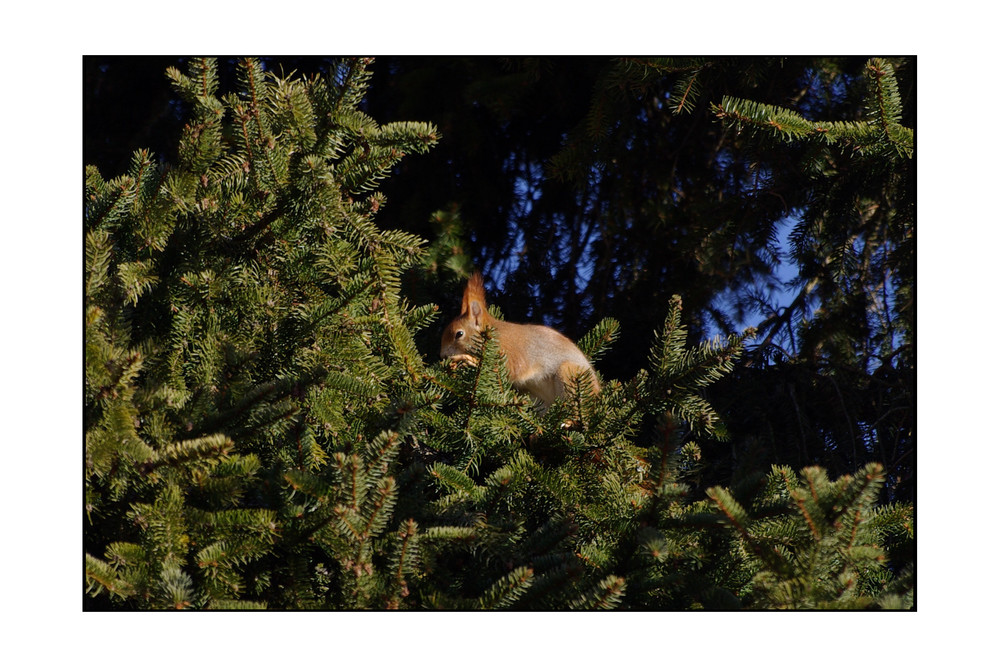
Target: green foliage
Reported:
[(812, 542), (263, 430), (880, 131), (239, 306)]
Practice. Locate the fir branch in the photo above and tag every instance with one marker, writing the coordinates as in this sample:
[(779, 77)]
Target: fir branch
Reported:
[(137, 278), (605, 595), (176, 589), (407, 556), (221, 604), (101, 577), (887, 108), (312, 485), (508, 590), (379, 507), (210, 448), (351, 87), (109, 203), (97, 260), (600, 338), (454, 479), (252, 78), (731, 509)]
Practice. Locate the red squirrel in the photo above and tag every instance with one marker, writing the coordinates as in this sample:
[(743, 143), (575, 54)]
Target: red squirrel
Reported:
[(540, 360)]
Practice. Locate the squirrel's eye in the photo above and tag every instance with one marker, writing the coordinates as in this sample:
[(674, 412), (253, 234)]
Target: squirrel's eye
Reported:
[(459, 334)]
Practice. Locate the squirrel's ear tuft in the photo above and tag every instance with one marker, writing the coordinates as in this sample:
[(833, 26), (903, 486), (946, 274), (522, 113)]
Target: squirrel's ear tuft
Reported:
[(474, 293)]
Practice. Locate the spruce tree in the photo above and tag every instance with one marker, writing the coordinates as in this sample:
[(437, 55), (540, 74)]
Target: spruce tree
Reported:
[(266, 429), (244, 329)]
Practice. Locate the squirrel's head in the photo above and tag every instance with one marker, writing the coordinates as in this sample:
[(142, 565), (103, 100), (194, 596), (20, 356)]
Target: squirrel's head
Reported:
[(460, 335)]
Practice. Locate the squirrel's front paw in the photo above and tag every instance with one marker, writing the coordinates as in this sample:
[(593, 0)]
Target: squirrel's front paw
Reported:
[(454, 361)]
